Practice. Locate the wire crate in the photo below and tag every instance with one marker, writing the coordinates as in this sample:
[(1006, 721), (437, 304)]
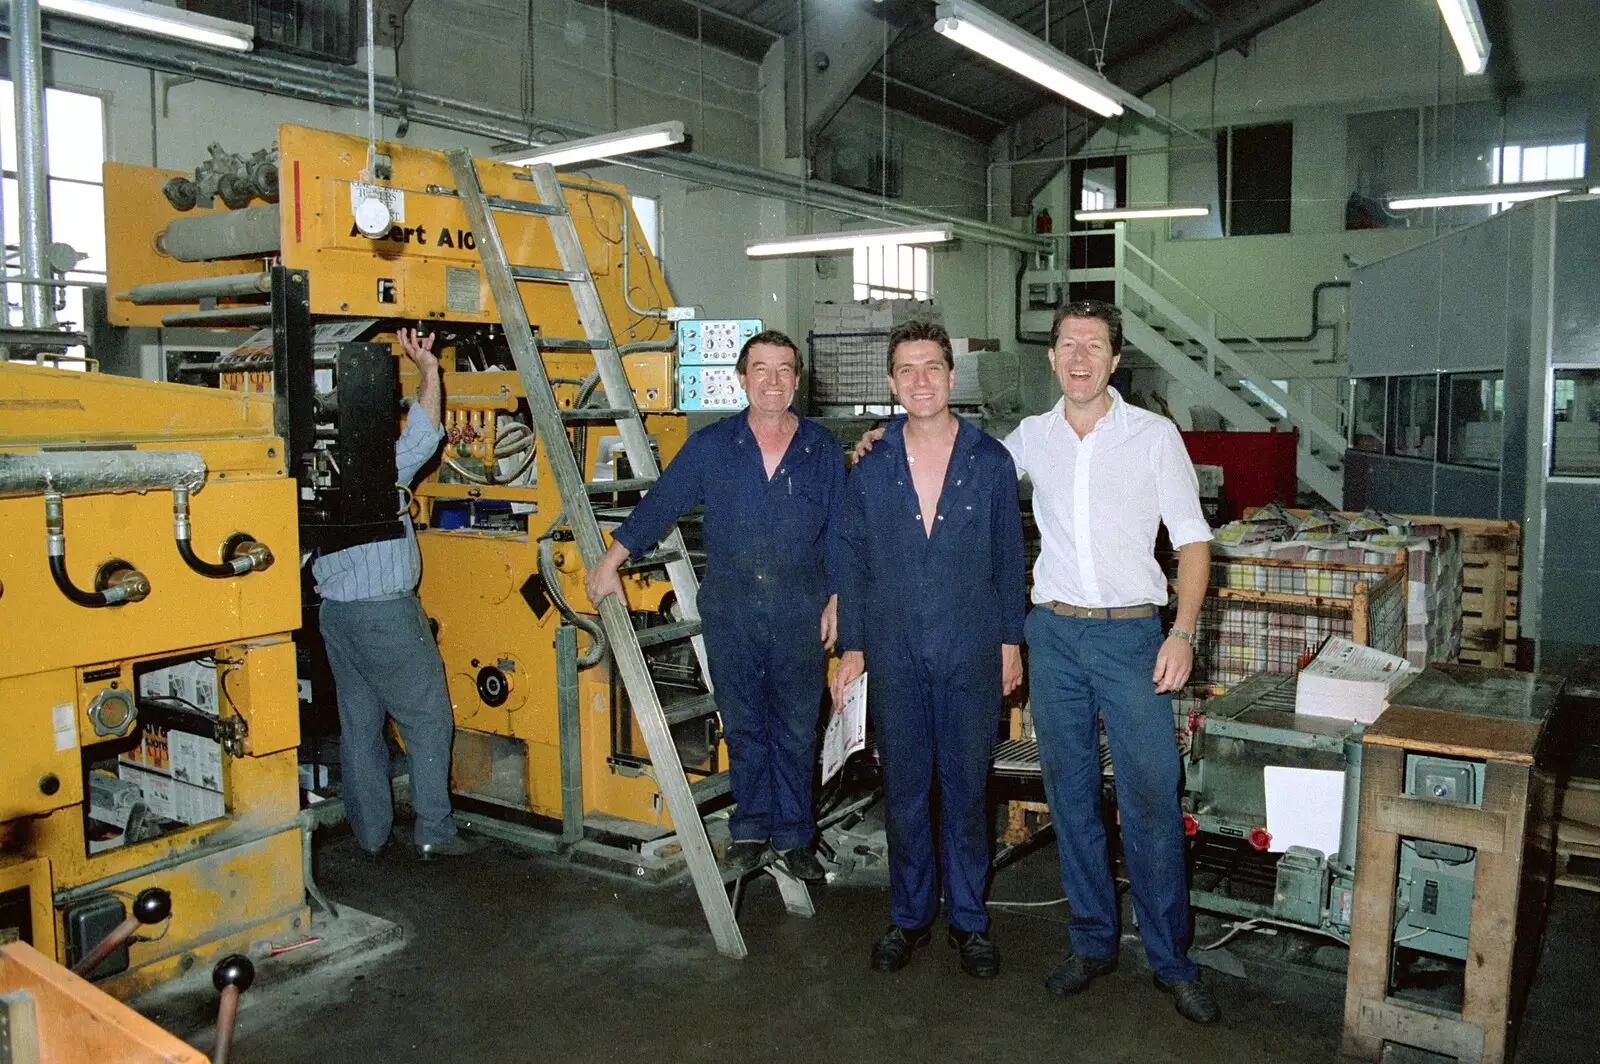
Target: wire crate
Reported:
[(849, 369), (1272, 614)]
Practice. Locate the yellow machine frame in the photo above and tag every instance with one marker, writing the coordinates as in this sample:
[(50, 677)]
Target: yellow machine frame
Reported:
[(480, 587), (235, 881)]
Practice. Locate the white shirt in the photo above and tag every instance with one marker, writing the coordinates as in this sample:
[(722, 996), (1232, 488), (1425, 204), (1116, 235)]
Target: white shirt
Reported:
[(1098, 502)]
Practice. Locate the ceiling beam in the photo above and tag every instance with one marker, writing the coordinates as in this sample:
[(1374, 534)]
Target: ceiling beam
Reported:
[(1040, 134), (1198, 8), (825, 59)]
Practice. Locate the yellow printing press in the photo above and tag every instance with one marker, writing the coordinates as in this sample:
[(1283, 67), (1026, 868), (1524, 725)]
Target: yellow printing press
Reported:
[(152, 534)]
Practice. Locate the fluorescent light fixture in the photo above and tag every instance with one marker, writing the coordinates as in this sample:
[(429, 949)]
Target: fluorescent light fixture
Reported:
[(605, 146), (1128, 214), (158, 20), (1465, 23), (1011, 46), (849, 240), (1477, 197)]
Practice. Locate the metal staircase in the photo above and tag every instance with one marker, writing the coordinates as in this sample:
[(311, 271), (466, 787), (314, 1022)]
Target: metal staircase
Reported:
[(1178, 330), (550, 422)]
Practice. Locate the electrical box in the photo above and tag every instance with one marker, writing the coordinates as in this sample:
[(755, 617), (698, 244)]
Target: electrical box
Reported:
[(1302, 884), (88, 922), (650, 375), (707, 354)]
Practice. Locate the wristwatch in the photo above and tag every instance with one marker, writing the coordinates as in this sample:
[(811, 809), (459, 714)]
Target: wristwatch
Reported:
[(1187, 637)]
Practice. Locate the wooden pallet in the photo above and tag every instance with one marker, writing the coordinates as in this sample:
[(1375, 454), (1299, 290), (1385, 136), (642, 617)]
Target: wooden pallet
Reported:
[(1577, 833)]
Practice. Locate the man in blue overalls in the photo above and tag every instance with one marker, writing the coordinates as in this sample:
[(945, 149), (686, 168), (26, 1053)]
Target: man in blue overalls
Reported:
[(930, 549), (771, 483)]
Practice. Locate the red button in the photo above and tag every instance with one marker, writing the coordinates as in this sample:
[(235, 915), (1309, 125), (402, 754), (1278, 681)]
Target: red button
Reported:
[(1191, 826), (1260, 838)]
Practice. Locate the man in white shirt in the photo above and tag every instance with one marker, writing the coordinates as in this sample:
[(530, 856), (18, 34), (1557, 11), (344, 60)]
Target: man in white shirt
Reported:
[(1105, 475)]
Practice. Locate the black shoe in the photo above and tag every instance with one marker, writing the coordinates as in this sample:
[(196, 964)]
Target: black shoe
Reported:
[(375, 855), (1077, 972), (454, 846), (1193, 1000), (745, 855), (893, 951), (979, 957), (801, 863)]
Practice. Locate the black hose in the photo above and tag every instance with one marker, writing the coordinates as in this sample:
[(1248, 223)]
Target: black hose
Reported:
[(58, 572), (200, 565)]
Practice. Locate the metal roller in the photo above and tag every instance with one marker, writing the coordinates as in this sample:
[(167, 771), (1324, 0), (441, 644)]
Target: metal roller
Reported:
[(247, 284), (219, 318), (222, 235)]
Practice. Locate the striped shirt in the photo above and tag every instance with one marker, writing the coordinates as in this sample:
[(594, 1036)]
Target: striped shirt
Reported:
[(387, 567)]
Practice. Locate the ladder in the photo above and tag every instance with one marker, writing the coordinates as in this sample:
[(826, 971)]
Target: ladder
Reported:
[(550, 423)]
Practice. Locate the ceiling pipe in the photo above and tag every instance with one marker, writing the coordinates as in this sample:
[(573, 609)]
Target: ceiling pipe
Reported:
[(33, 190), (329, 84)]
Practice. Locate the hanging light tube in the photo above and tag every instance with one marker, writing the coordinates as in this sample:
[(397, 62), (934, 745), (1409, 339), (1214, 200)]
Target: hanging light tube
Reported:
[(158, 20), (849, 240), (1128, 214), (605, 146), (1477, 197), (994, 38), (1465, 24)]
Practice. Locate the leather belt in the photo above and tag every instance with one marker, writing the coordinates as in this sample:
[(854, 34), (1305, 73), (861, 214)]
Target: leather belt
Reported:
[(1099, 613)]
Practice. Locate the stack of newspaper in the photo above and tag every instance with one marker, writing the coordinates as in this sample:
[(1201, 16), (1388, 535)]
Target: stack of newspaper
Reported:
[(1350, 681)]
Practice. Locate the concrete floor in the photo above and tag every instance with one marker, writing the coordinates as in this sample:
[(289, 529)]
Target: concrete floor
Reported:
[(516, 957)]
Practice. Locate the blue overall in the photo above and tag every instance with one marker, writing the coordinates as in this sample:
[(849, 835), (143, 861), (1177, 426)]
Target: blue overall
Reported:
[(768, 545), (931, 612)]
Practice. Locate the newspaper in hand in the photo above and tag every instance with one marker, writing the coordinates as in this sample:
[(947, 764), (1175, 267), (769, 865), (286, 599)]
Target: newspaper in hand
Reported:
[(1350, 681), (847, 729)]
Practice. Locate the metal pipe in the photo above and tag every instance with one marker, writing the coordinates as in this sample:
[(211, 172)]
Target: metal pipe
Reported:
[(570, 737), (220, 318), (244, 284), (33, 191), (246, 232), (62, 473), (240, 553), (329, 84)]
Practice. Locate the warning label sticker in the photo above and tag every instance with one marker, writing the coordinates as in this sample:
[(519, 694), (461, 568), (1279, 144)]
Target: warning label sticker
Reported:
[(461, 290)]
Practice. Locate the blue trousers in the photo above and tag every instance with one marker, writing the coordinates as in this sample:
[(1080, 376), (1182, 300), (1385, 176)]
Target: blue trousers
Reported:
[(768, 677), (385, 664), (936, 723), (1081, 672)]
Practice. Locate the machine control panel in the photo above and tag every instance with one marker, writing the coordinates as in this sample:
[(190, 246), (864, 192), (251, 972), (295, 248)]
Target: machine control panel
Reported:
[(707, 353)]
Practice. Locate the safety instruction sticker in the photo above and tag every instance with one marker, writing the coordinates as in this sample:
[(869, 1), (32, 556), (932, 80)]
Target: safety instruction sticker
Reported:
[(65, 725), (461, 290), (393, 198)]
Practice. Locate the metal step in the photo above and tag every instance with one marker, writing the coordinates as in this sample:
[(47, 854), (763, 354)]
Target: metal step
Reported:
[(711, 787), (615, 487), (503, 205), (595, 413), (654, 559), (540, 273), (567, 343), (690, 709), (667, 633)]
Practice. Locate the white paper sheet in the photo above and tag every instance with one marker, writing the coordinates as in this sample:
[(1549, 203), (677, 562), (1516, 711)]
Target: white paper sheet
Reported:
[(1304, 807), (847, 729)]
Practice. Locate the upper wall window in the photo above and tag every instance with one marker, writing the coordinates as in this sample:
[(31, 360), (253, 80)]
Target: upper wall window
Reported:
[(1245, 176), (893, 271), (648, 211), (1458, 146), (75, 150)]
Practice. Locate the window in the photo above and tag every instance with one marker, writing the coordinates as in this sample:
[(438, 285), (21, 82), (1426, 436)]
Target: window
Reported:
[(1459, 146), (75, 151), (1367, 406), (1477, 410), (1245, 177), (648, 212), (893, 271), (1413, 416), (1576, 408)]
